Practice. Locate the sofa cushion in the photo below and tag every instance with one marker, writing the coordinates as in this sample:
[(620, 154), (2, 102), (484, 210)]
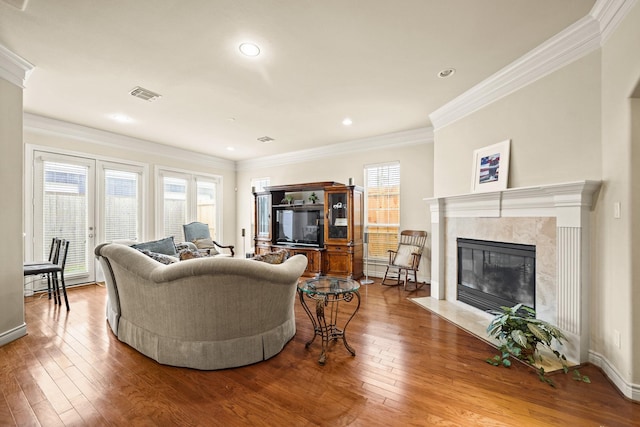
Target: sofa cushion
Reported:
[(206, 243), (162, 258), (275, 257), (164, 246), (186, 254)]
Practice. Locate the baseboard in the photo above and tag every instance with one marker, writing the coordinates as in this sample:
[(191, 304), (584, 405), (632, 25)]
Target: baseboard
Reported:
[(13, 334), (630, 390)]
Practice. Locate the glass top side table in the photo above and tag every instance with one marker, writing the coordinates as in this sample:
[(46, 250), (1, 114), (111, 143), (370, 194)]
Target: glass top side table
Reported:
[(326, 293)]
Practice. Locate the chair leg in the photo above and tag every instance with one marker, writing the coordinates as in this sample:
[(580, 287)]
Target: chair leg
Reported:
[(64, 291), (49, 285), (396, 277)]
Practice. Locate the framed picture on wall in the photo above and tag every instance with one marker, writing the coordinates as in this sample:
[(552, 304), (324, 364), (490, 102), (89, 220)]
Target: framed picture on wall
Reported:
[(490, 168)]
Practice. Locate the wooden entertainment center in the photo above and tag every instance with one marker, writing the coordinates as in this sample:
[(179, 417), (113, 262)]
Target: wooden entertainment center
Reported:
[(328, 230)]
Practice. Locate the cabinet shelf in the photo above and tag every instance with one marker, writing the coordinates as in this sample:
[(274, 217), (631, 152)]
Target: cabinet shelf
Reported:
[(314, 206)]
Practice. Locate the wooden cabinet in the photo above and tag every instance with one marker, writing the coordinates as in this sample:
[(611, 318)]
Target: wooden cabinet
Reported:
[(337, 251), (314, 258), (263, 225), (343, 231)]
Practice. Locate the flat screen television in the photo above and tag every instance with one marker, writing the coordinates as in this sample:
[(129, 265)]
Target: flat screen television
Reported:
[(300, 227)]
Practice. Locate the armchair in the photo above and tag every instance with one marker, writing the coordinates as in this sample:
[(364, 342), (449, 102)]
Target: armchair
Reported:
[(198, 233)]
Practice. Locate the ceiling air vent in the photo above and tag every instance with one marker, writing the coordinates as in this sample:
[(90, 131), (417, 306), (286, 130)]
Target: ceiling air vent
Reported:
[(146, 94), (266, 139)]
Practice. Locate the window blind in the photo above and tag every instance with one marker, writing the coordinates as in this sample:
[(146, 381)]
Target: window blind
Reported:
[(382, 195)]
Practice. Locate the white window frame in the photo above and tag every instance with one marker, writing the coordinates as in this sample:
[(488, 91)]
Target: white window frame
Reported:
[(192, 196), (101, 166)]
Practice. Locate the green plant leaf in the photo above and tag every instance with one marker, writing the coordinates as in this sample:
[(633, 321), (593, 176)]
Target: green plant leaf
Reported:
[(539, 333), (506, 363), (519, 337), (491, 361)]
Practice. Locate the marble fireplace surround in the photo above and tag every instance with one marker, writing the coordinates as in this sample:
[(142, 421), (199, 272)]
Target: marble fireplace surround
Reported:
[(554, 218)]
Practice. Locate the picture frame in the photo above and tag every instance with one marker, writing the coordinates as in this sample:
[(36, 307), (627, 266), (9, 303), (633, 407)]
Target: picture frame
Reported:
[(490, 168)]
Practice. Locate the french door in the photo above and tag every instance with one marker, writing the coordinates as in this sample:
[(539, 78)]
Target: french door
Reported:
[(85, 201), (63, 207)]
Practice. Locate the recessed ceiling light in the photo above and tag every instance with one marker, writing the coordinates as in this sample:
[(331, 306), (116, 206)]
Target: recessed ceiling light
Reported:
[(447, 72), (231, 149), (121, 118), (347, 121), (249, 49)]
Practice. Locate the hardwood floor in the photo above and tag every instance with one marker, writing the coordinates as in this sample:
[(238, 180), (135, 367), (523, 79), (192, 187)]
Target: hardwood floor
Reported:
[(411, 368)]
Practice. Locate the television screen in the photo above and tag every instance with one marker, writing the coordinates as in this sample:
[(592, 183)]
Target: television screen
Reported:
[(301, 227)]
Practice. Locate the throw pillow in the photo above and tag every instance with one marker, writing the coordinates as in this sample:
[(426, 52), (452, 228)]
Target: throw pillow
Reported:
[(275, 257), (162, 246), (186, 254), (206, 244), (403, 257), (161, 258)]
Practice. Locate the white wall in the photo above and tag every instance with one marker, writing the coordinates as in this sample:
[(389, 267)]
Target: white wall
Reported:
[(617, 300), (416, 175), (12, 324)]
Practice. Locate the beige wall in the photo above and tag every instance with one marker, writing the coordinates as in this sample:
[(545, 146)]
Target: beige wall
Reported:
[(157, 156), (553, 124), (617, 301), (11, 279), (416, 177)]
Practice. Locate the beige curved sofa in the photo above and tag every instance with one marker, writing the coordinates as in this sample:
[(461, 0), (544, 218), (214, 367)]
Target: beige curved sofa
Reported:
[(204, 313)]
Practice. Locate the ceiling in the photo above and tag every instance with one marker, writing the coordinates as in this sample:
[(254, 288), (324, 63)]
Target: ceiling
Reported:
[(374, 61)]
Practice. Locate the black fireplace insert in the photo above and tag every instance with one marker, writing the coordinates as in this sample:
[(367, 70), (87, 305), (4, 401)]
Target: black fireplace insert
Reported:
[(495, 274)]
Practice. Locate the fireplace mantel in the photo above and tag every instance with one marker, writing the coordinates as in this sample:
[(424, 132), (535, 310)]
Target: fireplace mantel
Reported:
[(541, 201), (570, 204)]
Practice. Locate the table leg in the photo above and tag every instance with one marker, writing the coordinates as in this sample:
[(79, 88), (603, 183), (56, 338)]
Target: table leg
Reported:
[(327, 329), (349, 297)]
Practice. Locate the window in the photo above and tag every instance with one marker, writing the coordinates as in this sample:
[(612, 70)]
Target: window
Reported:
[(187, 198), (259, 184), (382, 199), (122, 210)]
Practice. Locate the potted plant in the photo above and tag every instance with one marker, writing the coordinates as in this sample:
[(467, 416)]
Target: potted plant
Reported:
[(521, 335), (313, 198)]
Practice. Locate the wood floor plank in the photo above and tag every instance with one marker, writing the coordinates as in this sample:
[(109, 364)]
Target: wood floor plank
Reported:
[(412, 368)]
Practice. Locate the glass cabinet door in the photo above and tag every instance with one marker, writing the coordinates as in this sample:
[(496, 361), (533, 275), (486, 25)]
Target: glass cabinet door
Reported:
[(263, 211), (337, 215)]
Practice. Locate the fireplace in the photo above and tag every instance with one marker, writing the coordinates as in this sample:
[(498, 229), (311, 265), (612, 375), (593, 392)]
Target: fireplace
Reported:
[(554, 218), (494, 274)]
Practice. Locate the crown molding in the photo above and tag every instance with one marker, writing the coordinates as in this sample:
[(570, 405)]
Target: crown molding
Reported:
[(13, 68), (609, 14), (574, 42), (397, 139), (49, 126)]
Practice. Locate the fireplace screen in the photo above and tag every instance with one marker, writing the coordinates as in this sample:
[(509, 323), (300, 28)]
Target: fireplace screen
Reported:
[(494, 274)]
